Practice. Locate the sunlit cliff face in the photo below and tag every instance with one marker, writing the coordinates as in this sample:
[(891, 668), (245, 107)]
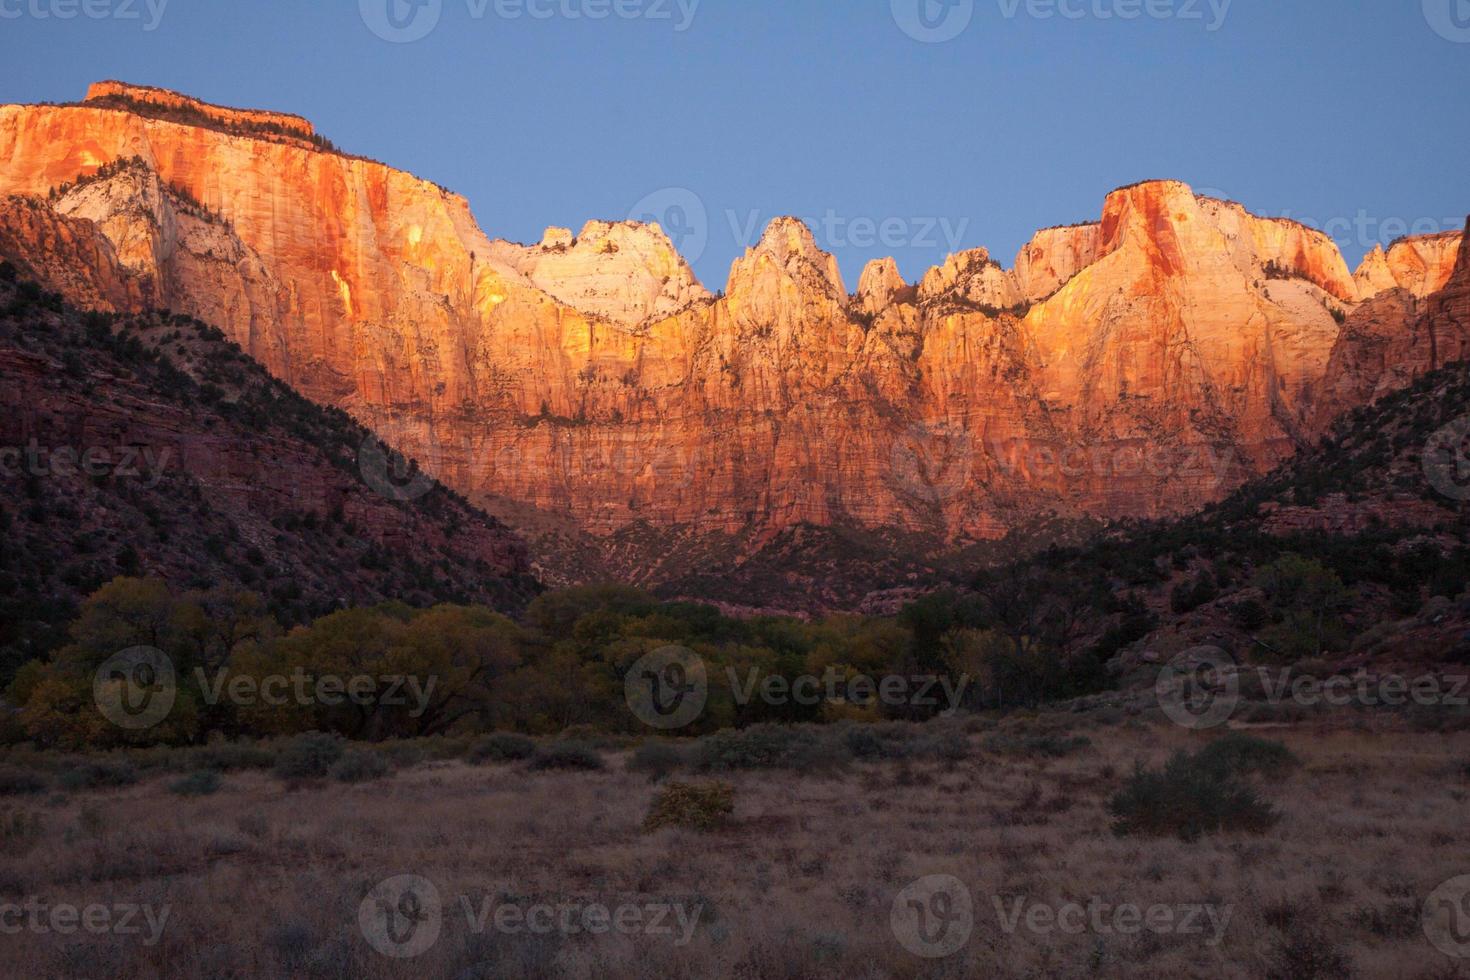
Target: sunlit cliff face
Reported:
[(1142, 364)]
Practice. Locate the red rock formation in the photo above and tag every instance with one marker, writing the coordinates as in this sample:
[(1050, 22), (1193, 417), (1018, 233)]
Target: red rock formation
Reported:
[(1398, 336), (1170, 349), (1421, 264)]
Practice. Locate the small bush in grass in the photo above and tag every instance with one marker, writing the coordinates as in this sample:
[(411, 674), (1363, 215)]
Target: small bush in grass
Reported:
[(308, 756), (402, 755), (15, 781), (698, 806), (1238, 753), (19, 831), (501, 747), (1304, 954), (1187, 800), (201, 783), (658, 759), (359, 766), (770, 747), (233, 756), (99, 775), (567, 755), (893, 741)]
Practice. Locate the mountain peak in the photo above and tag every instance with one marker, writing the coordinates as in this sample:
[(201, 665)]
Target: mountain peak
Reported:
[(790, 244)]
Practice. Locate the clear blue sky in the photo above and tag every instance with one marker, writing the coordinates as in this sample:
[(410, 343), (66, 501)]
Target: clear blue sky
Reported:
[(1329, 110)]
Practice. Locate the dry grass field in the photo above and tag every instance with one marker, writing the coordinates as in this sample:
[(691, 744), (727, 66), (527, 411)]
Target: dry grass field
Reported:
[(266, 879)]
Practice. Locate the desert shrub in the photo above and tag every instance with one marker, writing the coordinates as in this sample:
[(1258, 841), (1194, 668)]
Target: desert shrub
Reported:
[(233, 756), (1396, 920), (699, 806), (15, 781), (1238, 753), (201, 783), (1189, 595), (567, 755), (950, 748), (1304, 954), (658, 759), (19, 831), (359, 766), (98, 775), (890, 741), (769, 747), (1250, 614), (501, 747), (591, 736), (1051, 746), (1187, 800), (401, 754), (308, 756)]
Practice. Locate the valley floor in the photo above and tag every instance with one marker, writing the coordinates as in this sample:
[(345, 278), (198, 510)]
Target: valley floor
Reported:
[(809, 878)]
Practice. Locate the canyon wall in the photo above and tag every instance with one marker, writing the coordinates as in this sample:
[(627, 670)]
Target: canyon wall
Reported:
[(1140, 365)]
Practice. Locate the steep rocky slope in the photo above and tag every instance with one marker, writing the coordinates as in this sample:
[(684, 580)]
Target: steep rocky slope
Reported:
[(590, 389), (151, 445)]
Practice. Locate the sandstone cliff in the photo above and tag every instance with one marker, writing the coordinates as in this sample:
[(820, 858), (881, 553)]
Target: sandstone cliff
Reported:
[(1142, 364), (1401, 334)]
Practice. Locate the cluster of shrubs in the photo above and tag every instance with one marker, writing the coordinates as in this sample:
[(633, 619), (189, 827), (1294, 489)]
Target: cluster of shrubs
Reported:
[(316, 755), (800, 747), (1203, 793)]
